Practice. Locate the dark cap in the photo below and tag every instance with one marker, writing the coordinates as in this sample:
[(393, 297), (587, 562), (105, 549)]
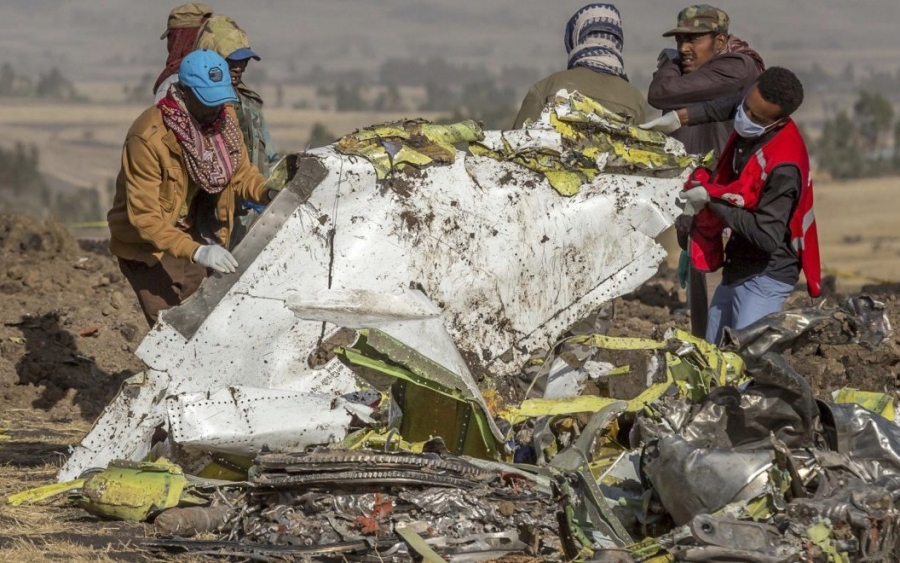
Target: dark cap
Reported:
[(701, 18)]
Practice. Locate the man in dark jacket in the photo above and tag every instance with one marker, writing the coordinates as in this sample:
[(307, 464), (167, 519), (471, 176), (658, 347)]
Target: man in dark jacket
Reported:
[(594, 42), (707, 64)]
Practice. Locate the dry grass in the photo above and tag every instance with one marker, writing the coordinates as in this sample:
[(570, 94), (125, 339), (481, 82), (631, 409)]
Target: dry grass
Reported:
[(858, 233), (26, 550), (52, 530)]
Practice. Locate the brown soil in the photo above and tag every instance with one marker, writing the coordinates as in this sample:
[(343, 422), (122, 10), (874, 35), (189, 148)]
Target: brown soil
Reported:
[(69, 322)]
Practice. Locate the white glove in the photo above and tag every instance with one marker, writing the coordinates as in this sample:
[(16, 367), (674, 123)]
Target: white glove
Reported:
[(693, 200), (215, 257), (668, 123)]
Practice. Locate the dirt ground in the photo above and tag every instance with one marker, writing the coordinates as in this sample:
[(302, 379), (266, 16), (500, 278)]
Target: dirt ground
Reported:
[(69, 325), (69, 322)]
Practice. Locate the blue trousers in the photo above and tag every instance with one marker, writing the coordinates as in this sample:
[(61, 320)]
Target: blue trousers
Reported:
[(736, 306)]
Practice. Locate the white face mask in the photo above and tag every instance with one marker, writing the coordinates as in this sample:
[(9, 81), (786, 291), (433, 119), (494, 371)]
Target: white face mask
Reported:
[(747, 129)]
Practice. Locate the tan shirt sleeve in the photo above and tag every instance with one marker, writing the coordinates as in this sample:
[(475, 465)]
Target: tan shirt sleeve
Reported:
[(143, 183), (532, 106)]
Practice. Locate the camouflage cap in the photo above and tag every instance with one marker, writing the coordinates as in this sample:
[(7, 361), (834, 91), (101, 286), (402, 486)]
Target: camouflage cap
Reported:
[(701, 18), (222, 35), (186, 16)]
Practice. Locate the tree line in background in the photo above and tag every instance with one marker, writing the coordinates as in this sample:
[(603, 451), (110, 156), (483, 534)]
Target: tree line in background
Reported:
[(861, 143), (475, 92), (855, 142), (52, 85), (24, 189)]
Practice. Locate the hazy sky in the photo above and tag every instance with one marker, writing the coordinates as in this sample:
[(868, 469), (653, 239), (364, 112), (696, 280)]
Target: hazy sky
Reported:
[(119, 39)]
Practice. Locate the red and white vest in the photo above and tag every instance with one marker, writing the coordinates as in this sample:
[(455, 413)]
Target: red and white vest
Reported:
[(744, 190)]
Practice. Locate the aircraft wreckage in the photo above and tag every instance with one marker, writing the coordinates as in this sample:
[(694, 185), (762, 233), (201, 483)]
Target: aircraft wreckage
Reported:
[(335, 398)]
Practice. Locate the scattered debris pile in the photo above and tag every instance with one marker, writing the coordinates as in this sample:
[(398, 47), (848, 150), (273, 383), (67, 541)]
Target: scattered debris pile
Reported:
[(576, 138), (725, 455), (323, 404), (329, 497)]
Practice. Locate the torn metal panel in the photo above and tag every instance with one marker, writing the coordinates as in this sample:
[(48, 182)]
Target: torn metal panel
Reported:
[(414, 142), (241, 420), (507, 262), (306, 173), (39, 494), (124, 428), (435, 401), (576, 138)]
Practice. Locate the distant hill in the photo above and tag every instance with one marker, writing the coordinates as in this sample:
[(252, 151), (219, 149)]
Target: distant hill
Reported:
[(118, 39)]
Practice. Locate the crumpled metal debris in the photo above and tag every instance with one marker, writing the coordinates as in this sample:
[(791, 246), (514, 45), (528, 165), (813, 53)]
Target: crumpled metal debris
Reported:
[(416, 142), (576, 138), (693, 480), (456, 509), (648, 450), (826, 473), (729, 462)]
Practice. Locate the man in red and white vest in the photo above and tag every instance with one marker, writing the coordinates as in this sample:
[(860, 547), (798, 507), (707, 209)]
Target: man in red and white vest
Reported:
[(760, 190)]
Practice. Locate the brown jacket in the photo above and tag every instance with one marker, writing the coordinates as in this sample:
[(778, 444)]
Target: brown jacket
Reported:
[(615, 93), (151, 189), (724, 75)]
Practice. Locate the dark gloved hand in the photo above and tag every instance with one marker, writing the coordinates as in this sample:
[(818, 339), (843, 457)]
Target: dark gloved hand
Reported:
[(215, 257), (666, 55)]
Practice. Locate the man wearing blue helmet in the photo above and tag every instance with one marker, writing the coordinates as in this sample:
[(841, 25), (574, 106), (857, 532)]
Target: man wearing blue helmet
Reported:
[(183, 163)]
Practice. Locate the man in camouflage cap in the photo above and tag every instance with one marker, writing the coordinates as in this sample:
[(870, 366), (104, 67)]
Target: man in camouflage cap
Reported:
[(707, 64), (221, 34), (701, 18)]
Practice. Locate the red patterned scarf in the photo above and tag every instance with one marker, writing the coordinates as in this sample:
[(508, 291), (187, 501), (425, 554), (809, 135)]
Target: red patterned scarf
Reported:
[(211, 152), (735, 45)]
